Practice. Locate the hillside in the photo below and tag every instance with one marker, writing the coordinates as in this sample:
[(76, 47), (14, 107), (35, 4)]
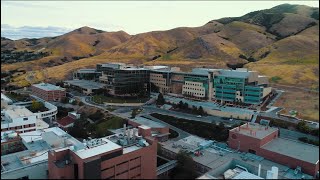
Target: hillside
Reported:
[(281, 42), (81, 43)]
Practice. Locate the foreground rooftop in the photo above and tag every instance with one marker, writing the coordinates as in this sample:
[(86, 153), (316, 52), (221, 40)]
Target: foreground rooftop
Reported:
[(295, 149)]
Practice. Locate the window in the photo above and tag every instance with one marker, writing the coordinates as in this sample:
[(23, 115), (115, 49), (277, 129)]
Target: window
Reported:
[(25, 119)]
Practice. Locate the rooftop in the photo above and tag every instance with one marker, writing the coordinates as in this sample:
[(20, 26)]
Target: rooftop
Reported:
[(38, 143), (66, 121), (246, 175), (147, 122), (87, 70), (5, 98), (215, 157), (86, 84), (254, 130), (234, 73), (298, 150), (48, 87), (104, 146), (17, 111)]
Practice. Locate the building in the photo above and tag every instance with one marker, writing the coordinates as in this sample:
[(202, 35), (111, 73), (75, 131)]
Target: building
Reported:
[(86, 74), (48, 92), (157, 130), (124, 80), (239, 85), (54, 154), (20, 119), (161, 78), (129, 156), (264, 141), (10, 142), (85, 86), (219, 85), (214, 159), (69, 120)]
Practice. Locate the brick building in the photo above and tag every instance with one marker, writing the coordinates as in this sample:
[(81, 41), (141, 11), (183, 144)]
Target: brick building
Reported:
[(264, 141), (129, 156), (48, 92), (154, 129)]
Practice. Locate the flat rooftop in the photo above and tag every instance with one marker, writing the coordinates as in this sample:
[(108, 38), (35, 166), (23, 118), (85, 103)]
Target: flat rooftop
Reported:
[(105, 146), (147, 122), (298, 150), (38, 143), (87, 70), (48, 87), (221, 159), (17, 111), (254, 130), (86, 84)]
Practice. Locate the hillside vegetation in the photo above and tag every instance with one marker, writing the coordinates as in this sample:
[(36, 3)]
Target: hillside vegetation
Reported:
[(281, 42)]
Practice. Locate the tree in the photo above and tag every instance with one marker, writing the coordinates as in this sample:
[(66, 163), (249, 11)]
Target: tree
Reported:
[(186, 167), (80, 103), (201, 111), (194, 110), (180, 105), (74, 102), (36, 106), (160, 100), (185, 106), (134, 113), (64, 100)]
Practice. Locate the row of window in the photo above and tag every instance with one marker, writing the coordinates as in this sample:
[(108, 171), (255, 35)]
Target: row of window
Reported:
[(191, 93), (193, 84), (194, 89)]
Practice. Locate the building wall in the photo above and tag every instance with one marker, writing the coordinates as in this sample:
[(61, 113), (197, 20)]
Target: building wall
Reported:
[(138, 164), (53, 95), (159, 81), (266, 91), (306, 167), (195, 89), (247, 142)]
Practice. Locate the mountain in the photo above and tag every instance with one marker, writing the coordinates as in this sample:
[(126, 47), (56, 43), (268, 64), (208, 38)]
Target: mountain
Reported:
[(281, 42), (80, 43)]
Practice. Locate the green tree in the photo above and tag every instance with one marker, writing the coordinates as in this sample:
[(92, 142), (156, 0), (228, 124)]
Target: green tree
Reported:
[(186, 167), (201, 111), (194, 110), (134, 113), (80, 103), (74, 102), (160, 99), (64, 100), (36, 106)]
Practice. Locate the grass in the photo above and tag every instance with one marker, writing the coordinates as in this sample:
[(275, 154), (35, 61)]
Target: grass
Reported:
[(100, 99), (307, 104)]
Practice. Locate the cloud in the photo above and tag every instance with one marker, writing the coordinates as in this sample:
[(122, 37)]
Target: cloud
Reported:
[(14, 33)]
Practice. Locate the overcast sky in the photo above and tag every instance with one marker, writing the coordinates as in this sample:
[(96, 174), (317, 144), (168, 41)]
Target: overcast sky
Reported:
[(50, 18)]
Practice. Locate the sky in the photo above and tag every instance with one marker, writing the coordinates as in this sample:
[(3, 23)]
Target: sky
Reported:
[(34, 19)]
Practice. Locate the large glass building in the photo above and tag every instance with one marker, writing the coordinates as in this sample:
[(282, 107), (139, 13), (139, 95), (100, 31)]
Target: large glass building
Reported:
[(124, 80)]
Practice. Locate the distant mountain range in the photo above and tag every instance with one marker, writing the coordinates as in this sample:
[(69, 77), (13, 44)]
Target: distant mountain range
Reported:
[(281, 42)]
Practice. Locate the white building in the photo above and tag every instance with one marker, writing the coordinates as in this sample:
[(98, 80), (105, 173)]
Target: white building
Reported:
[(32, 163), (20, 119)]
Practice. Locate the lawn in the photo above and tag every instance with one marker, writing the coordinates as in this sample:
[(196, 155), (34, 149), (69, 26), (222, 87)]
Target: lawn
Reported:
[(305, 103), (100, 99)]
